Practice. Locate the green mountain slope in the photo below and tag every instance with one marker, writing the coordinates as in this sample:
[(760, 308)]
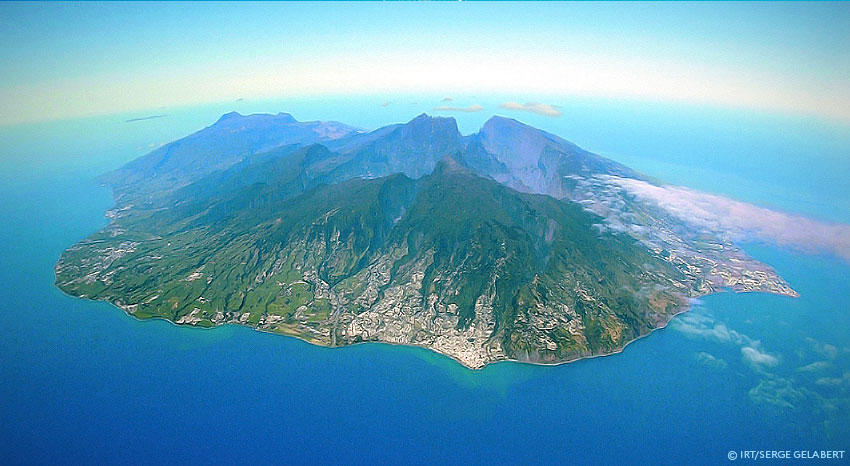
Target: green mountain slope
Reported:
[(451, 261)]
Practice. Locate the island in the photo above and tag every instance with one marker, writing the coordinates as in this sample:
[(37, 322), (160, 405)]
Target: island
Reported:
[(507, 244)]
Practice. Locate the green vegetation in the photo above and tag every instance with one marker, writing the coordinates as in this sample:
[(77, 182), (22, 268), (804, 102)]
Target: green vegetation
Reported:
[(557, 287)]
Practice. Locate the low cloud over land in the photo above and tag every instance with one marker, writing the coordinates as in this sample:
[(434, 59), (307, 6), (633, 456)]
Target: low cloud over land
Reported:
[(742, 221)]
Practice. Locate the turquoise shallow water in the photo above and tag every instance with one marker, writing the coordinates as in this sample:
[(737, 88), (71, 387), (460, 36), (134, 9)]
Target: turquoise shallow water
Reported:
[(82, 382)]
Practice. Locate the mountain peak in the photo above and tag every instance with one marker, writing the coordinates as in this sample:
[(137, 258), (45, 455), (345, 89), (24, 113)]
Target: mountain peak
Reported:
[(507, 132), (315, 152), (498, 123), (236, 116), (286, 116), (229, 116), (427, 126), (424, 118), (449, 164)]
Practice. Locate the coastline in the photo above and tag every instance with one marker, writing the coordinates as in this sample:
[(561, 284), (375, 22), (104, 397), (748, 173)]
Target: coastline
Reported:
[(619, 350)]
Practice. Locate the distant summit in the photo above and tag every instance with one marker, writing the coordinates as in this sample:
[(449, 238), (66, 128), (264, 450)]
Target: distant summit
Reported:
[(229, 117), (280, 118), (232, 138)]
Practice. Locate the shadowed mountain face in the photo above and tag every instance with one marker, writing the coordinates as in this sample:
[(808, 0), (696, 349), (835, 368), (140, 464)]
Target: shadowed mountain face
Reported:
[(506, 244), (531, 160), (412, 148)]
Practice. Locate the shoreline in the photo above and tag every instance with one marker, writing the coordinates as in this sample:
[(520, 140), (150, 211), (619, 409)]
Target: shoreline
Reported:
[(684, 309)]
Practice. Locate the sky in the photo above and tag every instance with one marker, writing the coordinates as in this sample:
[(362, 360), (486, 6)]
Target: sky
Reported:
[(67, 60)]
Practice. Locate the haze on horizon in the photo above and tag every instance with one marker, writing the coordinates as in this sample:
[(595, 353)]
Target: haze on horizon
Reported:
[(68, 60)]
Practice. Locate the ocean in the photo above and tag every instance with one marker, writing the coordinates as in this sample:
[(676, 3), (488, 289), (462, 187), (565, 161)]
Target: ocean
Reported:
[(83, 383)]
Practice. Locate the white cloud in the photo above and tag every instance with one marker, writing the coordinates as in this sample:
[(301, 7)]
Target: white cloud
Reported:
[(742, 221), (470, 109), (824, 349), (834, 381), (710, 360), (702, 325), (447, 99), (756, 358), (815, 366), (533, 107)]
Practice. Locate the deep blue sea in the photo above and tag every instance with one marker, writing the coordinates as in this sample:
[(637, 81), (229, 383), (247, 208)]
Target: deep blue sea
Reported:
[(81, 382)]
